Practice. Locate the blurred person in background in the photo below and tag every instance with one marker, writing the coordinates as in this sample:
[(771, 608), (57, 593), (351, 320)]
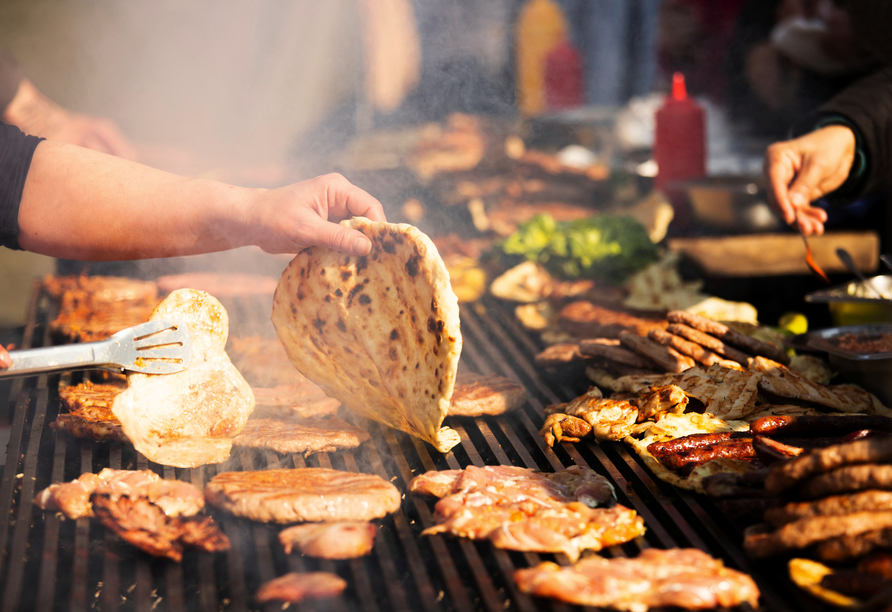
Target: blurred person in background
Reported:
[(842, 152), (24, 106)]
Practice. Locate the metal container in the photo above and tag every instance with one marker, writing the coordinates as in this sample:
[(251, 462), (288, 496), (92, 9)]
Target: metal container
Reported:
[(730, 203), (855, 304), (871, 371)]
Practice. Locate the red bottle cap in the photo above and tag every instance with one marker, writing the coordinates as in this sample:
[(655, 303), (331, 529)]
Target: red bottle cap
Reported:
[(679, 91)]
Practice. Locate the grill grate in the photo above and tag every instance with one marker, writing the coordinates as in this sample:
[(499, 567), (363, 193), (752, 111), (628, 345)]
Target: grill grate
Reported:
[(48, 563)]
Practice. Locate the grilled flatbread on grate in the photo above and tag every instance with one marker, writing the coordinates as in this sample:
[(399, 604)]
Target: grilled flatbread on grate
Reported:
[(380, 333), (304, 494), (477, 395), (189, 418), (301, 436)]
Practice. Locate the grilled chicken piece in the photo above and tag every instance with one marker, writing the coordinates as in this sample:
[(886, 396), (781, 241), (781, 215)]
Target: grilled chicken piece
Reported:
[(564, 428), (682, 578), (609, 419), (174, 497), (330, 540), (155, 515), (145, 525), (521, 509), (661, 400), (726, 393), (779, 380), (296, 587)]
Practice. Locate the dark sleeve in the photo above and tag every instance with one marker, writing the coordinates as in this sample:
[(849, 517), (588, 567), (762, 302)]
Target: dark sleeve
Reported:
[(867, 104), (10, 77), (16, 151)]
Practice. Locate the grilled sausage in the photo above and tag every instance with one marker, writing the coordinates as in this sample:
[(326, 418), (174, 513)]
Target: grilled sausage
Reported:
[(705, 340), (686, 443), (686, 461), (854, 584), (821, 424), (725, 333), (685, 347), (771, 451)]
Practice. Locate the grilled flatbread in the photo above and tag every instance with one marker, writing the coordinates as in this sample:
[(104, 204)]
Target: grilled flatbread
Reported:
[(189, 418), (380, 333)]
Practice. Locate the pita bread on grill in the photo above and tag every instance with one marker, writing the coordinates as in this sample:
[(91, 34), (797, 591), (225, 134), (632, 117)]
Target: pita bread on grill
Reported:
[(380, 333), (189, 418)]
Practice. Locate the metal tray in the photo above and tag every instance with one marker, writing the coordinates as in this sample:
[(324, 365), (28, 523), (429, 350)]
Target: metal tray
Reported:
[(822, 340), (849, 292)]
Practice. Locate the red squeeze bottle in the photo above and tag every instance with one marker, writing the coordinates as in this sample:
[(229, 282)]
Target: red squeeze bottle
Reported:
[(679, 143), (563, 77)]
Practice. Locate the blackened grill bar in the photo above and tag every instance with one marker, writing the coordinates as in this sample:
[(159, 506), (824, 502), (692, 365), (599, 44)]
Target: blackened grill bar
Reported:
[(48, 563)]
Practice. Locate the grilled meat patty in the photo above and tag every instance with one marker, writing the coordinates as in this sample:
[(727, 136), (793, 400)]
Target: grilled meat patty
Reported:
[(300, 401), (301, 436), (330, 540), (304, 494), (683, 578), (478, 395)]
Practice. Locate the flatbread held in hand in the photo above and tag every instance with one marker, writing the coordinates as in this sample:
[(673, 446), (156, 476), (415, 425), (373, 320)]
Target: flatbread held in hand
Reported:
[(380, 333)]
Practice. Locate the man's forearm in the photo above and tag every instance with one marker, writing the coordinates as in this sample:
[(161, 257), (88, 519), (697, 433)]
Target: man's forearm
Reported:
[(79, 204)]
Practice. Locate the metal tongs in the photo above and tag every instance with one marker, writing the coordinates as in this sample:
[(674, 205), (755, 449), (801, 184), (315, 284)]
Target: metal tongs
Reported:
[(156, 347), (809, 260)]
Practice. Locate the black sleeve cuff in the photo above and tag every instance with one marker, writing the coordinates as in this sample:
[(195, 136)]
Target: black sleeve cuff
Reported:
[(854, 183), (16, 151)]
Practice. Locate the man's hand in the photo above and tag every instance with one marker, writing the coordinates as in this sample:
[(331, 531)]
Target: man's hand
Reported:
[(304, 214), (34, 113), (802, 170), (5, 359)]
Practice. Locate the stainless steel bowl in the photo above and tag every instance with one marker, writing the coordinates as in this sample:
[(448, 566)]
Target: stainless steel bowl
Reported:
[(854, 304), (871, 371)]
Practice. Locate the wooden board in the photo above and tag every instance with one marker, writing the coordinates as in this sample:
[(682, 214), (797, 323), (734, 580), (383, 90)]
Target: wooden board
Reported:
[(778, 254)]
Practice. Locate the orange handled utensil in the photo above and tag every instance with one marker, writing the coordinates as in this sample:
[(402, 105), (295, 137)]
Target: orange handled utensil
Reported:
[(809, 259)]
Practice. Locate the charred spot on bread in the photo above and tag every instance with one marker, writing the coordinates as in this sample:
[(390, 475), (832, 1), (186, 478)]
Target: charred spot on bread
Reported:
[(346, 274), (352, 294), (365, 300), (394, 334), (412, 265)]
